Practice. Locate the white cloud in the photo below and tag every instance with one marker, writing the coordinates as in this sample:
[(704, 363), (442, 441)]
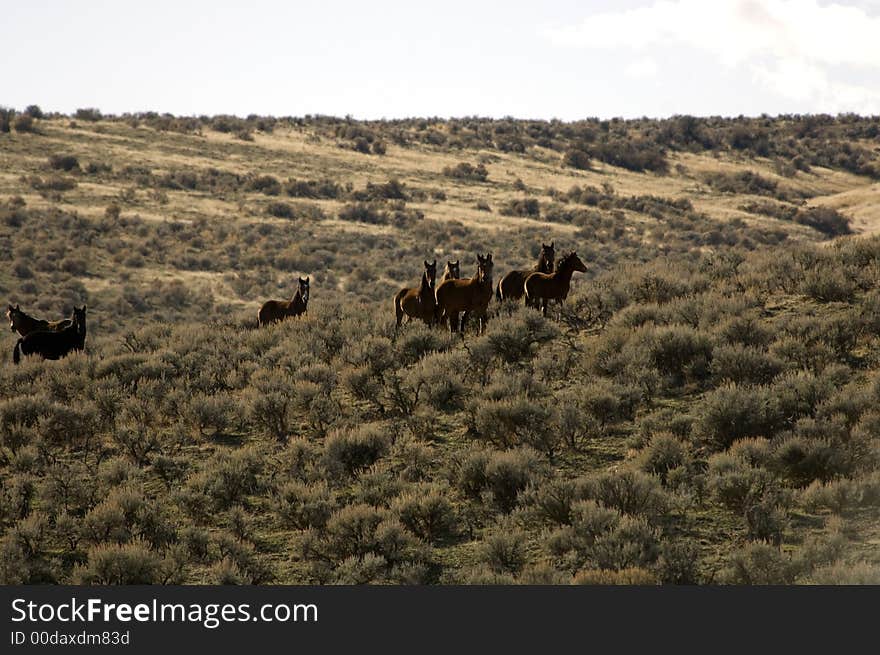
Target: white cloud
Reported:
[(642, 68), (788, 44)]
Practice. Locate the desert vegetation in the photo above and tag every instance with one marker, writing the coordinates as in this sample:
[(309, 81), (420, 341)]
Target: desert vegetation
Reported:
[(701, 409)]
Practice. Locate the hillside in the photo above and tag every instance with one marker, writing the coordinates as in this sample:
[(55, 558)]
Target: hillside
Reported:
[(702, 408)]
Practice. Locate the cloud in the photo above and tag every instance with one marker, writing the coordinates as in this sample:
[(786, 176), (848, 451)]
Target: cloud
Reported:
[(789, 45), (642, 68)]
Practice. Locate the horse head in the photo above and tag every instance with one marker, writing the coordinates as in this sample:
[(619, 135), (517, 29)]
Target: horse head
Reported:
[(484, 267), (431, 271), (546, 258), (304, 290), (572, 262)]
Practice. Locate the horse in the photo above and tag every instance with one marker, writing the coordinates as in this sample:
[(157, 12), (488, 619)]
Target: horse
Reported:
[(471, 296), (543, 287), (415, 302), (24, 324), (512, 285), (417, 305), (54, 344), (451, 272), (273, 311)]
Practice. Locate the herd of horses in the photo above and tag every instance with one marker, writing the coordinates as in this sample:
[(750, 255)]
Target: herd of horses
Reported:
[(451, 302), (454, 300)]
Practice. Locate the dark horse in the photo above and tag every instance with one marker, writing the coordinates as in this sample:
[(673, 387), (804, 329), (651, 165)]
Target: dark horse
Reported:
[(24, 324), (54, 344), (543, 287), (418, 302), (469, 296), (273, 311), (513, 285)]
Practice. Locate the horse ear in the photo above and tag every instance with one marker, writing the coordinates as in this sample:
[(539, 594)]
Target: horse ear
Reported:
[(426, 263), (307, 279), (551, 245)]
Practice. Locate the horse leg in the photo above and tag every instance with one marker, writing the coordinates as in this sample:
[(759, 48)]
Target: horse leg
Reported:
[(398, 310), (544, 307), (464, 318), (453, 321)]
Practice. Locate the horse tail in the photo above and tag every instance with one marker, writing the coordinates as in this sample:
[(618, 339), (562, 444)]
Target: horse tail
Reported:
[(398, 308), (16, 352), (498, 292)]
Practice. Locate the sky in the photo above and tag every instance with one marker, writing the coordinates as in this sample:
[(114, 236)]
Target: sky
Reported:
[(373, 59)]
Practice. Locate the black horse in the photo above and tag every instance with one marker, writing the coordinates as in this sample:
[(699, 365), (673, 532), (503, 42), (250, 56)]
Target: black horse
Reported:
[(54, 345)]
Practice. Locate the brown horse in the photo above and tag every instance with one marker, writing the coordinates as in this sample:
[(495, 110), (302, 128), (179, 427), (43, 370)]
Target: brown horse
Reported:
[(414, 302), (417, 305), (50, 344), (273, 311), (451, 272), (24, 324), (469, 296), (513, 285), (543, 287)]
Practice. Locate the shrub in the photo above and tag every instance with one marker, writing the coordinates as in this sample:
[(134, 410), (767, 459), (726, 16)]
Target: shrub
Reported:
[(367, 545), (508, 473), (211, 416), (228, 477), (302, 505), (628, 576), (316, 189), (829, 222), (265, 184), (552, 501), (6, 117), (346, 452), (732, 412), (528, 207), (504, 550), (758, 564), (576, 158), (846, 573), (65, 163), (629, 492), (843, 495), (803, 460), (427, 512), (24, 123), (121, 564), (465, 171), (270, 403), (518, 422), (828, 284), (664, 453), (740, 364), (280, 210), (736, 484), (88, 114), (603, 539), (680, 352), (437, 380)]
